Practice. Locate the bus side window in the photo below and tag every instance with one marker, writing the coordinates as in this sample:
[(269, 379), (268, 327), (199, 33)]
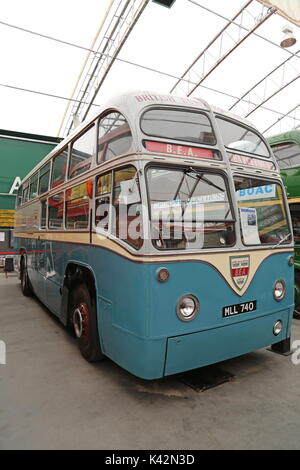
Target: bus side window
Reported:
[(33, 186), (19, 196), (77, 207), (83, 150), (287, 154), (127, 224), (295, 216), (25, 193), (59, 167), (44, 178), (103, 200), (56, 211), (43, 214), (114, 136)]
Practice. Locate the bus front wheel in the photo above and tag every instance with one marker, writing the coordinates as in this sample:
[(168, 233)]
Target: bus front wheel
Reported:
[(84, 320)]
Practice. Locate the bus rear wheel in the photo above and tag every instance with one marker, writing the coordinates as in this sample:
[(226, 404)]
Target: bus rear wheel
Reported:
[(84, 320), (297, 295), (25, 283)]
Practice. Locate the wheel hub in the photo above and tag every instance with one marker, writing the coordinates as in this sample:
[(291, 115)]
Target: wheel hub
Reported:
[(80, 320)]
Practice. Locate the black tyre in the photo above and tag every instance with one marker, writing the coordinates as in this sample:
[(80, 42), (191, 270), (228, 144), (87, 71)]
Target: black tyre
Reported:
[(83, 317), (25, 283), (297, 295)]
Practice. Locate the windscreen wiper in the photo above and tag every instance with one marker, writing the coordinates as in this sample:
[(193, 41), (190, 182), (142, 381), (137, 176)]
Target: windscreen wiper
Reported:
[(206, 180), (282, 240), (191, 191)]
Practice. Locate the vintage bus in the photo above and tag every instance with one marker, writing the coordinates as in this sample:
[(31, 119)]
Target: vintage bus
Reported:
[(286, 148), (159, 233)]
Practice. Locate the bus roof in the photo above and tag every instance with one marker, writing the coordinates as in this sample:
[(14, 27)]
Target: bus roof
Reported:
[(140, 100), (285, 137), (152, 98)]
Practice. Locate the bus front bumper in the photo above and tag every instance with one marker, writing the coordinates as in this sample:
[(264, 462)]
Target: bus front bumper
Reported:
[(210, 346)]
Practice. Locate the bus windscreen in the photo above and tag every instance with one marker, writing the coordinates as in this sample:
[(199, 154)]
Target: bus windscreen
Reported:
[(176, 124), (262, 211), (287, 155), (189, 209), (237, 137)]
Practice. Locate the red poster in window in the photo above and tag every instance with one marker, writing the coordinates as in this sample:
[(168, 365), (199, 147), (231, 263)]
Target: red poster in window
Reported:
[(184, 150), (250, 161)]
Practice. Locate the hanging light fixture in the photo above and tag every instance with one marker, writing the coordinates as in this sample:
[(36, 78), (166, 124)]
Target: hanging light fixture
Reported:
[(289, 38), (165, 3)]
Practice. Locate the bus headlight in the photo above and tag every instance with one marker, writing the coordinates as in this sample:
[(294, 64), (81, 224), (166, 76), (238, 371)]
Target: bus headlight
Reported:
[(187, 307), (279, 290), (277, 327)]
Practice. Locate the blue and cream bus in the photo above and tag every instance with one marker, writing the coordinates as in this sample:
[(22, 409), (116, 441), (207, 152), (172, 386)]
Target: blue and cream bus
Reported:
[(158, 232)]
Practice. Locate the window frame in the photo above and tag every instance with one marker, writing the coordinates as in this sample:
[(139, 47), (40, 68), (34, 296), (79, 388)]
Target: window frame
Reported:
[(34, 178), (67, 147), (110, 194), (248, 128), (114, 170), (107, 113), (19, 196), (292, 219), (231, 202), (180, 109), (285, 203), (87, 229), (92, 125), (276, 147), (97, 197), (62, 227), (42, 174), (45, 199), (25, 187)]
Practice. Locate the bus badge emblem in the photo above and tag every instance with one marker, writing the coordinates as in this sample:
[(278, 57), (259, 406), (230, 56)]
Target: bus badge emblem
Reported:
[(239, 268)]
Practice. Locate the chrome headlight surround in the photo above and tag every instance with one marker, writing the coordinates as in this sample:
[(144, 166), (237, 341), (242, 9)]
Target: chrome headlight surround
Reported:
[(279, 290), (277, 328), (187, 307)]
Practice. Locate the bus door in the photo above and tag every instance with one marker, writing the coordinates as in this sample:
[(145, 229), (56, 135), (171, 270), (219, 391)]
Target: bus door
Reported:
[(53, 253), (41, 269), (53, 277), (34, 260), (47, 288), (39, 257)]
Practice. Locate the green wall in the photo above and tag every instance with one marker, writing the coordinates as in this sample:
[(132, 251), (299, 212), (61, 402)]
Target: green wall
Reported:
[(19, 153)]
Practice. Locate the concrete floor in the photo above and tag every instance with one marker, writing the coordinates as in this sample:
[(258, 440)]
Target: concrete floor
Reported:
[(51, 398)]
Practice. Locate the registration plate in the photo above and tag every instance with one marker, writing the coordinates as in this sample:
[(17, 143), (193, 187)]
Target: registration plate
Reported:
[(236, 309)]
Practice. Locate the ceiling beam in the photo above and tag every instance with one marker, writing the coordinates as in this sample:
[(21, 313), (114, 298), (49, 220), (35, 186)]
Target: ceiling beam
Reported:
[(236, 32), (273, 94), (284, 116), (276, 80), (123, 16), (225, 18)]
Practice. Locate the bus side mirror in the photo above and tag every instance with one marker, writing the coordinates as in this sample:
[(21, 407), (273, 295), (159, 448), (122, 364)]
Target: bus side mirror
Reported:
[(130, 193)]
